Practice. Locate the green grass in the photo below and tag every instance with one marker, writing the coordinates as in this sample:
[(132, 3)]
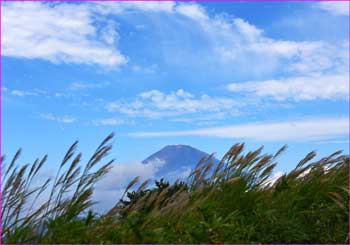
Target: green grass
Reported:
[(232, 202)]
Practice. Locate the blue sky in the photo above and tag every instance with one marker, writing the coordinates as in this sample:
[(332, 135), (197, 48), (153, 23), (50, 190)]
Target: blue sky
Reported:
[(204, 74)]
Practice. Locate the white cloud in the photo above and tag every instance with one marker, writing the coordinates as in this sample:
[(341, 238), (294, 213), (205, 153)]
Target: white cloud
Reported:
[(297, 88), (108, 122), (39, 93), (147, 70), (122, 173), (58, 33), (321, 57), (179, 174), (156, 104), (111, 187), (248, 30), (336, 8), (123, 7), (109, 34), (304, 130), (26, 93), (193, 11), (23, 93), (297, 57), (236, 40), (84, 85), (68, 33), (340, 141), (63, 119), (204, 119)]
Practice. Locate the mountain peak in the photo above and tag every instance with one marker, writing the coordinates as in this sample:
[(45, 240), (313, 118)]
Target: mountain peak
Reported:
[(177, 157), (178, 146)]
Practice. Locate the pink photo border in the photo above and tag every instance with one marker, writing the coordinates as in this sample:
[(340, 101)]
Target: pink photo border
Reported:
[(6, 1)]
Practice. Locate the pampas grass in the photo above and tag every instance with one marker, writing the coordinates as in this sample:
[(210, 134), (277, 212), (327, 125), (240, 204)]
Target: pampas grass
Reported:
[(19, 216), (234, 201)]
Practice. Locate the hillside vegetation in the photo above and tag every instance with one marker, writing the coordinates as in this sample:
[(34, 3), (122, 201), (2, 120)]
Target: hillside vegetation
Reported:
[(233, 201)]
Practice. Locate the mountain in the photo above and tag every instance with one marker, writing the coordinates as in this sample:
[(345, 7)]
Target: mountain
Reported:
[(176, 161)]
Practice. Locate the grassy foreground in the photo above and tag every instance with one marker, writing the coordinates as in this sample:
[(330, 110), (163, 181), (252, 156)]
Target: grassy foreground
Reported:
[(232, 202)]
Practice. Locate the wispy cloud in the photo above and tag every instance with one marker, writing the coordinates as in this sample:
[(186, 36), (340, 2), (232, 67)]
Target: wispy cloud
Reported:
[(202, 119), (39, 93), (84, 85), (23, 93), (336, 8), (108, 122), (340, 141), (298, 130), (146, 70), (147, 7), (60, 119), (297, 88), (236, 40)]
